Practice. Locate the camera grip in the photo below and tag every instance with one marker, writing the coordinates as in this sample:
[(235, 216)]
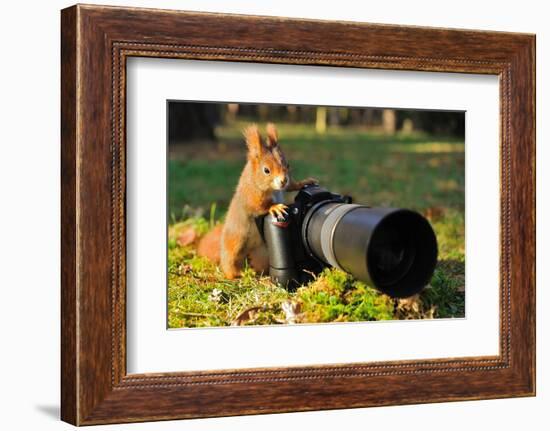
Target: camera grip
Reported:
[(277, 234)]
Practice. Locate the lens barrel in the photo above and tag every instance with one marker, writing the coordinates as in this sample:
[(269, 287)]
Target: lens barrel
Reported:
[(393, 249)]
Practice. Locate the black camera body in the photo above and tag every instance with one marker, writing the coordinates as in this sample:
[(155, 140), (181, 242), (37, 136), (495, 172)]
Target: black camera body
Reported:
[(392, 249), (291, 263)]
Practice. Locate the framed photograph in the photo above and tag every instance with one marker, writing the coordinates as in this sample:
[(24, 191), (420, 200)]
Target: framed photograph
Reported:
[(265, 215)]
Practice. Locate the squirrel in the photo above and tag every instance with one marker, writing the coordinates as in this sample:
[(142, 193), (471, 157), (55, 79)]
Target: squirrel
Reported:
[(265, 177)]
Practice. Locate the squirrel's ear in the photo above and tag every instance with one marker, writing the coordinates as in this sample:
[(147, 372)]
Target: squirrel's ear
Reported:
[(253, 140), (272, 137)]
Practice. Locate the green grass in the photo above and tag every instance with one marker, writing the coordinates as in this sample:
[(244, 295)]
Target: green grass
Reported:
[(413, 171)]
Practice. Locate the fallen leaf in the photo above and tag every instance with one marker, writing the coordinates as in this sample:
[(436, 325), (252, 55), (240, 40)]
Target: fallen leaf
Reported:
[(186, 237), (246, 316), (184, 268), (410, 302), (291, 310)]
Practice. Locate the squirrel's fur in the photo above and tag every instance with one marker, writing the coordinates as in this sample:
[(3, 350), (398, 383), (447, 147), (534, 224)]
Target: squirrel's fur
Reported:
[(266, 171)]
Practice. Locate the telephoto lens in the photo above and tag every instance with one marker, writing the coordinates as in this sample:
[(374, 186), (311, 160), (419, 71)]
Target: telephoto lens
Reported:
[(393, 249)]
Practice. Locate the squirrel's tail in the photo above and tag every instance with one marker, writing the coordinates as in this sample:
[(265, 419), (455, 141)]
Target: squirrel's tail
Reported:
[(209, 245)]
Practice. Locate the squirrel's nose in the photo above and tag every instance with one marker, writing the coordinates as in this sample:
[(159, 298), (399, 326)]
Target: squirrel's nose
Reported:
[(283, 181)]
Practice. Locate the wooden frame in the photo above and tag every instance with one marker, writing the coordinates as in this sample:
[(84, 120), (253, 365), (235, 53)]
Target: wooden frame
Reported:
[(95, 42)]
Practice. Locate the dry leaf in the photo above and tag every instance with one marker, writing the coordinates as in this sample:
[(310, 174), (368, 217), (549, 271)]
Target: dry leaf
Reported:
[(291, 310), (184, 268), (410, 303), (246, 316), (186, 237)]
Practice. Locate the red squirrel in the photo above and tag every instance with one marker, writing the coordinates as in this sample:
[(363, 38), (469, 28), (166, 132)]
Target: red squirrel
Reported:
[(259, 191)]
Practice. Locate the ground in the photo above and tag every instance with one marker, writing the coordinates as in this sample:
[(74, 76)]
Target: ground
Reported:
[(415, 171)]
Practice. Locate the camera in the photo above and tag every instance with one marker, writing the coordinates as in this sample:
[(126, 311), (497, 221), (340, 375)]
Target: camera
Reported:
[(391, 249)]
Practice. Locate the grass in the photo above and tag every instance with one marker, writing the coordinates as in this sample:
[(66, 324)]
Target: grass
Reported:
[(414, 171)]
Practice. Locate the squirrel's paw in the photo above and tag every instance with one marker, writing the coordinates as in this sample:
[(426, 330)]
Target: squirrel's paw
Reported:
[(309, 181), (278, 210)]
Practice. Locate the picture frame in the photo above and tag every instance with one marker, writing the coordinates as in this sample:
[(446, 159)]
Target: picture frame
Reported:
[(96, 42)]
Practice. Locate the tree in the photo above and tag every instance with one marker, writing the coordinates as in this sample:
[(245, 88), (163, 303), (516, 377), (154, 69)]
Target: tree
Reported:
[(389, 121), (321, 119), (192, 121)]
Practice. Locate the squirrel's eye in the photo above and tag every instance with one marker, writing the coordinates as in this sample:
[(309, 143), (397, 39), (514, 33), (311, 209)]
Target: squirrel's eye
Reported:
[(266, 171)]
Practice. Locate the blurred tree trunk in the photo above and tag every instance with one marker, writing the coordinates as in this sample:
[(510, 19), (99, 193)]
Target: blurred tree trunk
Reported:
[(292, 111), (231, 112), (355, 116), (263, 113), (368, 117), (343, 116), (321, 119), (191, 121), (333, 116), (389, 121), (408, 126)]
